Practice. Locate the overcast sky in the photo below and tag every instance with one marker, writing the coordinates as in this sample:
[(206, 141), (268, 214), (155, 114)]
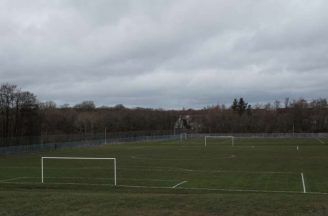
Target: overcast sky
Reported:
[(169, 54)]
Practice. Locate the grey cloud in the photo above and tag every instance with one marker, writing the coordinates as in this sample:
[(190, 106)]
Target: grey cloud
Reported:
[(170, 54)]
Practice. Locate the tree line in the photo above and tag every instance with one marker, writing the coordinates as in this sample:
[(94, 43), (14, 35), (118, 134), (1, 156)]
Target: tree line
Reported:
[(19, 112), (299, 116), (23, 115)]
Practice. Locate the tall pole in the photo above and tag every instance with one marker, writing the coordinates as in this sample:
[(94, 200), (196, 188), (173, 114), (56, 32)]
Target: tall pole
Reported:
[(42, 169), (115, 181)]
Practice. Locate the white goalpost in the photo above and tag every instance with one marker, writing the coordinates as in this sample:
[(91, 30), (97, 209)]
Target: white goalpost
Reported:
[(220, 137), (75, 158)]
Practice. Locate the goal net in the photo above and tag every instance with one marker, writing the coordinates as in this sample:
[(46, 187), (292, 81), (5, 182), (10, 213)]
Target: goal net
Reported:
[(78, 170), (230, 139)]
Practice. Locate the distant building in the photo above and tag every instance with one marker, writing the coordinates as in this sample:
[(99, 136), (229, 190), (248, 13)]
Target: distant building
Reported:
[(183, 124)]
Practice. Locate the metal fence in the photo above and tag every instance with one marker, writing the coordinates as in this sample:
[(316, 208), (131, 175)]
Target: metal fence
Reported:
[(120, 140), (59, 138), (262, 135), (82, 143)]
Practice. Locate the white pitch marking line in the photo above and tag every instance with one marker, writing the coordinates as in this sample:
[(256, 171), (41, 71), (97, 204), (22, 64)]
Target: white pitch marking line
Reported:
[(175, 186), (10, 179), (303, 182), (53, 183), (158, 187), (218, 189), (85, 184), (322, 142), (297, 148), (170, 169)]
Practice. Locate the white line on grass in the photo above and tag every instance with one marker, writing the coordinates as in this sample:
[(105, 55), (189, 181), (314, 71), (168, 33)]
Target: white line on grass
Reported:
[(159, 168), (54, 183), (303, 182), (322, 142), (180, 183), (51, 168), (172, 169), (183, 159), (92, 178), (11, 179), (159, 187), (224, 190), (86, 184), (214, 189)]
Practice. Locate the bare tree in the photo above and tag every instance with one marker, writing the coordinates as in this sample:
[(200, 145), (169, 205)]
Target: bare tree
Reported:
[(7, 98)]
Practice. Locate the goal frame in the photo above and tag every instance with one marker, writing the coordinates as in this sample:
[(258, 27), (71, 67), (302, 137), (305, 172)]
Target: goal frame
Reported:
[(76, 158), (210, 136)]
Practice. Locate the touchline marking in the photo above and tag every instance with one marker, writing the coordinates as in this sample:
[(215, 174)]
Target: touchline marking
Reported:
[(303, 182), (175, 186)]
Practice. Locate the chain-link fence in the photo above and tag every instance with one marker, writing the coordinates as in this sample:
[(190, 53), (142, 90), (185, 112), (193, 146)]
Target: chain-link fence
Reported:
[(83, 143), (100, 139), (262, 135)]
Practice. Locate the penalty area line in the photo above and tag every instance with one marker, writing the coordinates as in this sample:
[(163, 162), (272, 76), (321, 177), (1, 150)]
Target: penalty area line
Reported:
[(180, 183)]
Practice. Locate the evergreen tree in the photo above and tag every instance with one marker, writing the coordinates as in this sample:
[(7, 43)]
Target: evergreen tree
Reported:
[(234, 106), (242, 105)]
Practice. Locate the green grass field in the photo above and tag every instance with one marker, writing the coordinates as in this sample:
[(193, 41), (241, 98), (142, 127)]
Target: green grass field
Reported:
[(256, 176)]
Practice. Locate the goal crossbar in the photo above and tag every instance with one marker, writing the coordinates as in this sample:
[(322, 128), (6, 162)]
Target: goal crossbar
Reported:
[(231, 137), (76, 158)]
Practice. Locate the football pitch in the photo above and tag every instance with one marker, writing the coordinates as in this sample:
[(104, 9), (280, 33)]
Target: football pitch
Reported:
[(249, 176)]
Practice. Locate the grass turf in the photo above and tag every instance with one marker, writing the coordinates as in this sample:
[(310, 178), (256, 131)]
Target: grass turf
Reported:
[(255, 177)]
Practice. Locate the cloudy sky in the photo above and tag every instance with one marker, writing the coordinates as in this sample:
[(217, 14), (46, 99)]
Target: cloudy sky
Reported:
[(165, 53)]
